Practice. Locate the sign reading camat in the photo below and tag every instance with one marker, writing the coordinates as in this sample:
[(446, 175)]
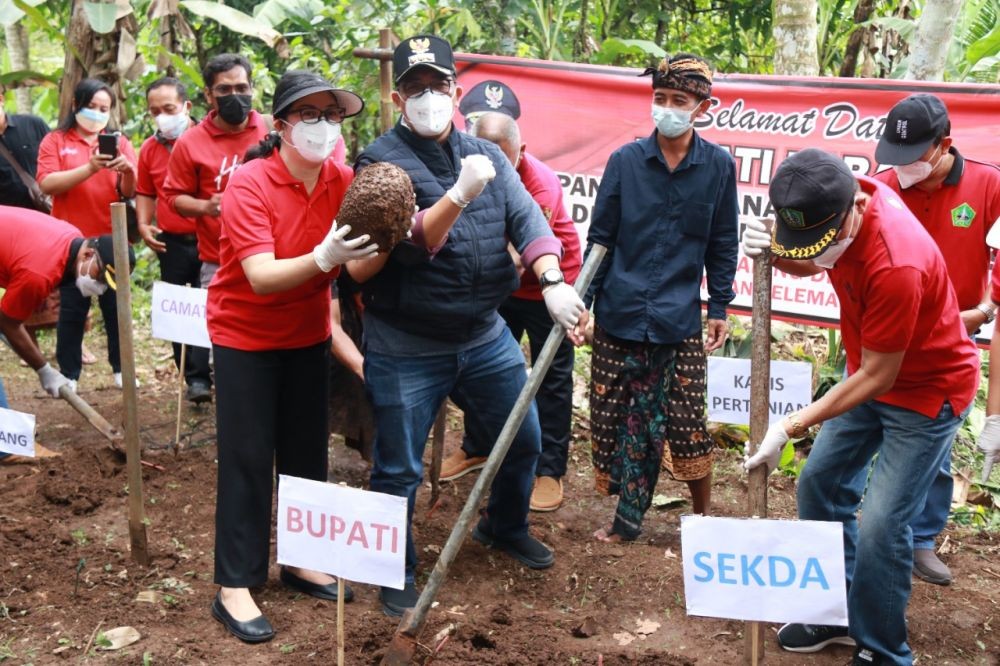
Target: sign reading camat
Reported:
[(17, 432), (179, 314), (729, 389), (764, 570)]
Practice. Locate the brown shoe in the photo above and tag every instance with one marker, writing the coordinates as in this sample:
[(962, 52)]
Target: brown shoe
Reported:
[(547, 494), (40, 452), (458, 464)]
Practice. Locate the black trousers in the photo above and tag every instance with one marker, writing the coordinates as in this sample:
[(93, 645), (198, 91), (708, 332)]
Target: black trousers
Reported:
[(73, 309), (271, 411), (555, 396), (180, 265)]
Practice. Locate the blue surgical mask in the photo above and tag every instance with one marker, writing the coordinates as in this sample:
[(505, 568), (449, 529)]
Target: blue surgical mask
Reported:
[(671, 123), (92, 120)]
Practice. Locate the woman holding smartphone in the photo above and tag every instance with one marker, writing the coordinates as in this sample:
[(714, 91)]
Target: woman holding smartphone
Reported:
[(86, 168)]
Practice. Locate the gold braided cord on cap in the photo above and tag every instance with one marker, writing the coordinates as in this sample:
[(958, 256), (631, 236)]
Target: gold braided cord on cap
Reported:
[(807, 252)]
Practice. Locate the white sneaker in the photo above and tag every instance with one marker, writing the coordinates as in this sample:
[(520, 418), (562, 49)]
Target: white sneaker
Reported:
[(72, 385), (118, 380)]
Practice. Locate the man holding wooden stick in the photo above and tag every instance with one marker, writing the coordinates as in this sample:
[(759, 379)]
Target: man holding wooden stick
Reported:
[(912, 376)]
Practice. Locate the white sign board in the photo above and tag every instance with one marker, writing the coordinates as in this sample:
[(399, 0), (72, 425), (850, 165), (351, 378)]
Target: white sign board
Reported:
[(764, 570), (354, 534), (179, 314), (729, 389), (17, 432)]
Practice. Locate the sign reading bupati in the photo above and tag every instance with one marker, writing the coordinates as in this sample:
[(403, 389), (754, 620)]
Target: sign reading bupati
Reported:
[(354, 534), (764, 570), (179, 314), (729, 389), (17, 432)]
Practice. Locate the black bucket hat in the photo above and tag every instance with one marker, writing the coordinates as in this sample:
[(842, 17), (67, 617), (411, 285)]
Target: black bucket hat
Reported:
[(296, 84)]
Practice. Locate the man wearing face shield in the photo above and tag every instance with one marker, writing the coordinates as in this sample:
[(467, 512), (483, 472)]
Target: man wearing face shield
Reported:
[(957, 200), (37, 254), (912, 377), (432, 330), (205, 157)]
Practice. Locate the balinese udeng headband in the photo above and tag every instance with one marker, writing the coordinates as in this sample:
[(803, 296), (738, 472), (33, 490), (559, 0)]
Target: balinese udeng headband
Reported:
[(687, 74)]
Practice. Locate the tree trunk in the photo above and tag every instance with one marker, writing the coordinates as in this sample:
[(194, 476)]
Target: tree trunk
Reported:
[(796, 51), (929, 51), (17, 49), (861, 14)]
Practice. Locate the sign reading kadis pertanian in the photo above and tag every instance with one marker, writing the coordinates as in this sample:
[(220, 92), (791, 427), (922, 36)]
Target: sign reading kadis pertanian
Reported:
[(764, 570), (17, 432), (574, 116), (355, 534), (729, 389), (178, 314)]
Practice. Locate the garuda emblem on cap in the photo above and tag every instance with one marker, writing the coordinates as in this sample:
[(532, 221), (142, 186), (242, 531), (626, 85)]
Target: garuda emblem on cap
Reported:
[(420, 46), (494, 96), (793, 218)]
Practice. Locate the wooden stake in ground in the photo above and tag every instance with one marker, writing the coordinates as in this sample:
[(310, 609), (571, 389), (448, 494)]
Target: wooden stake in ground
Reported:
[(180, 394), (340, 621), (133, 463), (760, 385), (437, 454)]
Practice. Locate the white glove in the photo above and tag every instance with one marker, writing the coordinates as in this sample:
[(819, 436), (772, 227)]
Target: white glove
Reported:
[(51, 379), (989, 444), (564, 304), (769, 450), (756, 237), (477, 170), (334, 250)]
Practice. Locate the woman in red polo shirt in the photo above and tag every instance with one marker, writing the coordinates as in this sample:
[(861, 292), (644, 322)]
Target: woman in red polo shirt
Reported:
[(269, 320), (83, 184)]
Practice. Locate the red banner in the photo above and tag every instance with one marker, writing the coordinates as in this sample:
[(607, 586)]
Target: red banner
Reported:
[(574, 116)]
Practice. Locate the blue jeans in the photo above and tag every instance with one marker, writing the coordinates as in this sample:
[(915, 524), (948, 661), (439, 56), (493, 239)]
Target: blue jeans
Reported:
[(879, 554), (408, 391)]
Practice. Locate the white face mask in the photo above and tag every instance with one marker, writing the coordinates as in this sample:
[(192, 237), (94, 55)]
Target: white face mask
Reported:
[(92, 120), (429, 114), (87, 285), (835, 250), (315, 141), (671, 123), (172, 126), (914, 172)]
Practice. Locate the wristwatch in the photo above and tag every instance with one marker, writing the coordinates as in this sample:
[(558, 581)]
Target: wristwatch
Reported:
[(989, 310), (551, 277)]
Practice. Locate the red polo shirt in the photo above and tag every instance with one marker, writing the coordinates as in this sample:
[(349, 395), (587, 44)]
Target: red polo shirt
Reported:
[(958, 215), (544, 187), (266, 209), (153, 158), (85, 205), (34, 249), (895, 296), (201, 164)]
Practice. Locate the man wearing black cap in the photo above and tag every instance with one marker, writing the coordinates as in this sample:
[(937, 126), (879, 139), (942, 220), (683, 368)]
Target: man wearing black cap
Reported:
[(37, 254), (431, 325), (667, 212), (912, 376), (957, 200)]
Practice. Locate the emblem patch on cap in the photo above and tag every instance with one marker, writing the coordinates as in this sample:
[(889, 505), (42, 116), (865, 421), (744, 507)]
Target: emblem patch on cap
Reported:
[(494, 96), (793, 218), (420, 46), (962, 216), (901, 129)]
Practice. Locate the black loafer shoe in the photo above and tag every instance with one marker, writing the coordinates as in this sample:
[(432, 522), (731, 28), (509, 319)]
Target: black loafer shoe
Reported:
[(526, 549), (257, 630), (396, 602), (198, 393), (328, 591)]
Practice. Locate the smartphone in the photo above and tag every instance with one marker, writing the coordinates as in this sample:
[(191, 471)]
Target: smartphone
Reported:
[(107, 144)]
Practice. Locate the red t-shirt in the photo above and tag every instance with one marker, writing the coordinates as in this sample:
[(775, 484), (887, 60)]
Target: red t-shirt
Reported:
[(266, 209), (153, 158), (895, 296), (34, 249), (85, 205), (201, 164), (544, 187), (958, 215)]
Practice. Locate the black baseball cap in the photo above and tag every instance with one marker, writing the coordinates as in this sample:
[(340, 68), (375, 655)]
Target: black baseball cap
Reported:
[(296, 84), (811, 193), (911, 128), (487, 96), (105, 247), (422, 51)]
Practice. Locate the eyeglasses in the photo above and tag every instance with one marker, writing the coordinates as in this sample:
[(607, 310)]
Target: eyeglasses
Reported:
[(310, 115), (226, 89), (410, 89)]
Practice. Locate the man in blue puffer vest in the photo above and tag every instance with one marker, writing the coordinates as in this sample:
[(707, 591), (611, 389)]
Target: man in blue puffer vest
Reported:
[(431, 325)]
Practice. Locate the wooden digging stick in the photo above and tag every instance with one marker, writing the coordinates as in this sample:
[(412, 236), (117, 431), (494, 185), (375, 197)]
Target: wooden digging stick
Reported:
[(89, 413), (760, 383), (437, 453), (133, 462)]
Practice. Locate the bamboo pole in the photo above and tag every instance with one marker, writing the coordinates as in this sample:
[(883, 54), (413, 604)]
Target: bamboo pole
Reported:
[(385, 107)]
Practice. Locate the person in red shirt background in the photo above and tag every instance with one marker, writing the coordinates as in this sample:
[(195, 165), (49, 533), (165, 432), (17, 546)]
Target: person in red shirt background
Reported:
[(83, 184), (269, 321), (205, 157), (173, 236)]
